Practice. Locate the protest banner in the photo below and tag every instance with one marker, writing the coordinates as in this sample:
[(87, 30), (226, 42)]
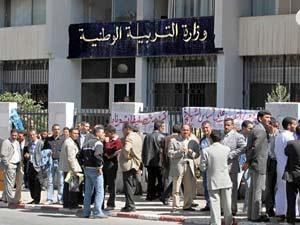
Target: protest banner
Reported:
[(196, 115), (143, 121)]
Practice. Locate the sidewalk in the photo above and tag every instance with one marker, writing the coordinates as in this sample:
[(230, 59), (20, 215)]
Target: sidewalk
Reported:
[(145, 210)]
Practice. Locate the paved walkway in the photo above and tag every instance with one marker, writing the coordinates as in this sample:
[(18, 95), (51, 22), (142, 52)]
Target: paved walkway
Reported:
[(147, 210)]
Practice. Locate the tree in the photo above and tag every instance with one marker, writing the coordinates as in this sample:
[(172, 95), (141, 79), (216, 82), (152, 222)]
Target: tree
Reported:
[(278, 94), (31, 112), (24, 101)]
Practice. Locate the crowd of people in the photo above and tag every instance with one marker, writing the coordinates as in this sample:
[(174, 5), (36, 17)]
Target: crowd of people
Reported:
[(259, 155)]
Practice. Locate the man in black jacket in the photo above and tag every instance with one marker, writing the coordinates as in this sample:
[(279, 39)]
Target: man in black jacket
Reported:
[(151, 154), (292, 177), (91, 157)]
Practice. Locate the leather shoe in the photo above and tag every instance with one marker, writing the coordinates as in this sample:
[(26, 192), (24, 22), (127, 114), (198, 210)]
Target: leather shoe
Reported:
[(280, 218), (128, 209), (271, 212), (165, 201), (32, 202), (189, 209), (194, 204), (206, 208)]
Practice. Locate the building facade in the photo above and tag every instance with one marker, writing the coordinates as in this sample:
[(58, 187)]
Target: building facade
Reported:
[(256, 46)]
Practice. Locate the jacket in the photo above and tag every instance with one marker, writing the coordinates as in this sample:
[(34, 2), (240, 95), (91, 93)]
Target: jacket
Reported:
[(36, 159), (152, 149), (91, 153), (257, 149), (6, 152), (214, 162), (67, 159), (292, 168), (237, 144), (178, 158), (131, 153)]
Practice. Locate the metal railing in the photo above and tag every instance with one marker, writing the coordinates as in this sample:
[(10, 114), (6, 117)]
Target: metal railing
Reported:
[(93, 116), (34, 120)]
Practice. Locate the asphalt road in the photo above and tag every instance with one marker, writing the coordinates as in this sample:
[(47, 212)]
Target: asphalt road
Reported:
[(21, 217)]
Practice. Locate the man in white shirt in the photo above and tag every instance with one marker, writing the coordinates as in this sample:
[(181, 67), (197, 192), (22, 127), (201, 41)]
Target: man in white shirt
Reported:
[(289, 125), (11, 161)]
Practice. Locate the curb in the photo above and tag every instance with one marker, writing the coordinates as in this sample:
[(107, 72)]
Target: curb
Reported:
[(37, 207), (165, 218)]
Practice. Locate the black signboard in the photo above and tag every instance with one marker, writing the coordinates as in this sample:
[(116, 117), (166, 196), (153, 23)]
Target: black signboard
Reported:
[(142, 38)]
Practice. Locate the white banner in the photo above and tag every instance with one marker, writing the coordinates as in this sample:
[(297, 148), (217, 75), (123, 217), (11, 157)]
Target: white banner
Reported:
[(143, 121), (196, 115)]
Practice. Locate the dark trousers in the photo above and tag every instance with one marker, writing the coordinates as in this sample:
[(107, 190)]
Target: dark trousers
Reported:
[(271, 180), (110, 175), (70, 198), (129, 187), (34, 184), (153, 190), (26, 172), (292, 190)]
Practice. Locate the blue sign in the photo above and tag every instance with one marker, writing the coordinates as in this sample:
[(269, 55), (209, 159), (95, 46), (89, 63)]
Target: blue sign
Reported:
[(142, 38), (16, 120)]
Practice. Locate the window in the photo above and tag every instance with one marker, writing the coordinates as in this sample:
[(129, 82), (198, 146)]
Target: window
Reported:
[(263, 7), (191, 8), (39, 12), (295, 6), (26, 76), (274, 7), (97, 11), (181, 81), (95, 68), (160, 9), (22, 12), (95, 95), (124, 10), (2, 13), (123, 67), (122, 90), (261, 74)]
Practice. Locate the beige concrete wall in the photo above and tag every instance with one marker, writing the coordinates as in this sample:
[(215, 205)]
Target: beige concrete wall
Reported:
[(269, 35), (20, 43)]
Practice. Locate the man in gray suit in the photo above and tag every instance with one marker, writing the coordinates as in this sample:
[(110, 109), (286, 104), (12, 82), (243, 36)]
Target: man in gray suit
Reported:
[(182, 152), (257, 156), (33, 154), (237, 143), (214, 162)]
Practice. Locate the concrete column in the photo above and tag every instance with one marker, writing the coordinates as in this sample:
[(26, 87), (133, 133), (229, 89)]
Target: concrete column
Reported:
[(140, 79), (64, 74), (61, 113), (5, 112), (145, 11), (229, 64)]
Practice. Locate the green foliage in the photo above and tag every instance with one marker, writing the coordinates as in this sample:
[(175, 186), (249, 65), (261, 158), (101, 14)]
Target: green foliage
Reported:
[(279, 94), (31, 112), (25, 102)]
